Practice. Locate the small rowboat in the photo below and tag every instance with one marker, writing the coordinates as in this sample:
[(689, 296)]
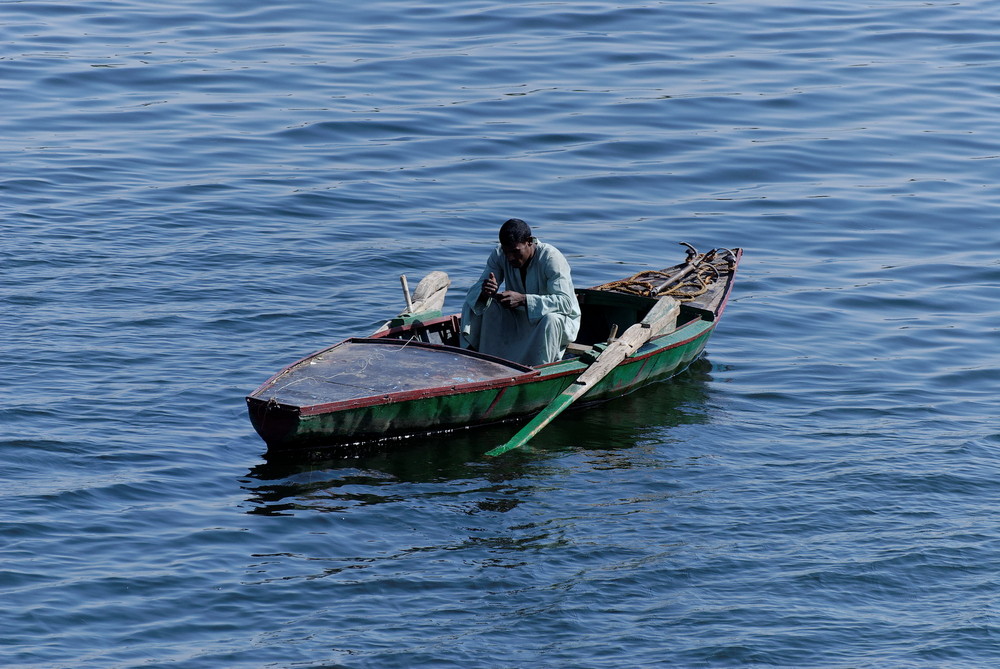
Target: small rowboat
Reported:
[(411, 377)]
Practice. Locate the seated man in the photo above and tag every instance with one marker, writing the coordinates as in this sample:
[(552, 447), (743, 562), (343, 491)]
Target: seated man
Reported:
[(537, 314)]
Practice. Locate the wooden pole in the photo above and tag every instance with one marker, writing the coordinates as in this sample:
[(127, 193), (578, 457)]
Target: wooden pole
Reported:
[(406, 293)]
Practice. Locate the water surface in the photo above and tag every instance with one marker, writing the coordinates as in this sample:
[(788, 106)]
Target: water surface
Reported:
[(196, 194)]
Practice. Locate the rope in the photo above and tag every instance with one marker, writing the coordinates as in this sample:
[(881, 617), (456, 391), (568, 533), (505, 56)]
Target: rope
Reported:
[(656, 283)]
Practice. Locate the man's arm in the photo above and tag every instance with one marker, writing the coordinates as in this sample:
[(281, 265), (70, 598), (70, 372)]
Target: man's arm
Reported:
[(559, 296), (489, 282)]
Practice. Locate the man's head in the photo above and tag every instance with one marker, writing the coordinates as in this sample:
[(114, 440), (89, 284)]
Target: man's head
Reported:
[(517, 243)]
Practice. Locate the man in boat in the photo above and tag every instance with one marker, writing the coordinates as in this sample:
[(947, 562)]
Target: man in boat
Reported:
[(537, 314)]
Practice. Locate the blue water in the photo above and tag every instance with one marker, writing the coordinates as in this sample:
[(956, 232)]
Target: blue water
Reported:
[(194, 194)]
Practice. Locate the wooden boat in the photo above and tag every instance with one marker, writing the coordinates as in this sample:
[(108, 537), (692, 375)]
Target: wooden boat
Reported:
[(412, 378)]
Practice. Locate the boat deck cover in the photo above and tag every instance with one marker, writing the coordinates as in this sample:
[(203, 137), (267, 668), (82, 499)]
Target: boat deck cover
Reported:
[(360, 368)]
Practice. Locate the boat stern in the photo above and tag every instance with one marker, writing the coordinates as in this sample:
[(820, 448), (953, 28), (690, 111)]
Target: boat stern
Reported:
[(273, 421)]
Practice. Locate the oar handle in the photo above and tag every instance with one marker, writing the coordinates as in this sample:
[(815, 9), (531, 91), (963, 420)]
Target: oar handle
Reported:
[(406, 293)]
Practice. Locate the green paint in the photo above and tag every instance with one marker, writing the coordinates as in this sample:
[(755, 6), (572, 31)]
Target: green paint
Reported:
[(554, 408), (422, 415), (419, 318)]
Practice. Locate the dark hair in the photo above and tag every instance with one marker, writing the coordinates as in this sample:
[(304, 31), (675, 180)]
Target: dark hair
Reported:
[(514, 231)]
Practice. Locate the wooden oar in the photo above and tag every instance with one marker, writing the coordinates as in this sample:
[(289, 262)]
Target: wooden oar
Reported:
[(430, 292), (429, 295), (693, 262), (662, 316)]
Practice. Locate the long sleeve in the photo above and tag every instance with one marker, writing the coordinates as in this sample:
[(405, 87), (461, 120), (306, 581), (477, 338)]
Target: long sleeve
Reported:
[(496, 264), (554, 287)]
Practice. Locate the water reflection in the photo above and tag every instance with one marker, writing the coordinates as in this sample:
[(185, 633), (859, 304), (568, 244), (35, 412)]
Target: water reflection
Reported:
[(647, 414), (317, 482)]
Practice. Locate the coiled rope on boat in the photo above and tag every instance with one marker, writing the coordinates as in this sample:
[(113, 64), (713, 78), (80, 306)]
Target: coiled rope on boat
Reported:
[(706, 270)]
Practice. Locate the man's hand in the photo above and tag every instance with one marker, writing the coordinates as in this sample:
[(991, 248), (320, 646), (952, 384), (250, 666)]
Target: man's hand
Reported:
[(490, 286), (513, 300)]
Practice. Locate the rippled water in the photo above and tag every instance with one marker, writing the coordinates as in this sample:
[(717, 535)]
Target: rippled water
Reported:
[(193, 194)]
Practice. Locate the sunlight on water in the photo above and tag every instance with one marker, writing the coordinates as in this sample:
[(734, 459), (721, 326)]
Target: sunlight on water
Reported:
[(198, 194)]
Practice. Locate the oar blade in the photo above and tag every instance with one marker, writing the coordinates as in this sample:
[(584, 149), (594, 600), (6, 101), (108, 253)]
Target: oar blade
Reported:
[(535, 425), (427, 299)]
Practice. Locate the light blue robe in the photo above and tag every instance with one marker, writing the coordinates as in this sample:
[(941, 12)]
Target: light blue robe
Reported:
[(536, 333)]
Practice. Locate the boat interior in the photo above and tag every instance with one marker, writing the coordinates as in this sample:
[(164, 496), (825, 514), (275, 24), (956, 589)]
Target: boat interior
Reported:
[(603, 315), (606, 310)]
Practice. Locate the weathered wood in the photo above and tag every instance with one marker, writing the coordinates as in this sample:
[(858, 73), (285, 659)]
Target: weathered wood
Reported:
[(660, 319), (430, 292), (406, 293), (428, 298)]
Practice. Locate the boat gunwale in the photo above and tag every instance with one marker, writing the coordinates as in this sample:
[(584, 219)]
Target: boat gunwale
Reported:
[(738, 255), (554, 370)]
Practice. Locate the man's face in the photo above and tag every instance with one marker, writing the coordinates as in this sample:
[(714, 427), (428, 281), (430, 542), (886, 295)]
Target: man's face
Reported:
[(519, 254)]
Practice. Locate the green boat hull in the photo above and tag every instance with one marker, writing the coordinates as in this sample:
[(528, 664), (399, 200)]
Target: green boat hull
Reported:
[(391, 418)]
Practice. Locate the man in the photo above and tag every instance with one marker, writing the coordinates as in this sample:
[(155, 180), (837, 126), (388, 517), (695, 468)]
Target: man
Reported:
[(537, 314)]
